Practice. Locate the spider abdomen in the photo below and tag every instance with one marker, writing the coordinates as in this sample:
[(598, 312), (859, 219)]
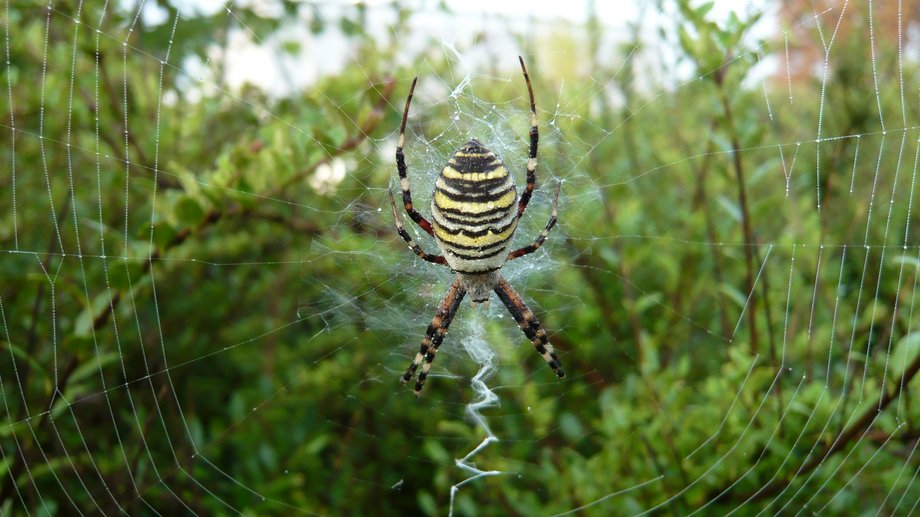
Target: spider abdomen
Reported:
[(474, 207)]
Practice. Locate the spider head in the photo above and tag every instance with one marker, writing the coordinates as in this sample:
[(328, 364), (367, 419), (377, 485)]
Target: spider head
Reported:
[(474, 147)]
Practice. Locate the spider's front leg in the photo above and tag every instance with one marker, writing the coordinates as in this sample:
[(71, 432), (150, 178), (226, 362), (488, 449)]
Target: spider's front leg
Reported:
[(529, 324), (534, 141), (434, 336), (403, 170)]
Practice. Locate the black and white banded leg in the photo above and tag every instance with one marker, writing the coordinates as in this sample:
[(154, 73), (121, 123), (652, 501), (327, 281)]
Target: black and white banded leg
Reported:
[(402, 169), (534, 140), (526, 250), (437, 259), (529, 324), (434, 336)]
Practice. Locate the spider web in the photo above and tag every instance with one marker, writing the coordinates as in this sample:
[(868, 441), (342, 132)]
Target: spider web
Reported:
[(205, 306)]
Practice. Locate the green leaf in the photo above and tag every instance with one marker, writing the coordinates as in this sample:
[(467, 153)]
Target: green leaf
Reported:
[(731, 207), (163, 234), (436, 451), (733, 294), (687, 43), (906, 352), (291, 47), (21, 354), (188, 211), (84, 321), (570, 426), (427, 503), (92, 366), (906, 260), (647, 301), (702, 10), (316, 445)]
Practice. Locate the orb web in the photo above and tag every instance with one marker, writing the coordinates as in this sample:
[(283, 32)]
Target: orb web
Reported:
[(205, 306)]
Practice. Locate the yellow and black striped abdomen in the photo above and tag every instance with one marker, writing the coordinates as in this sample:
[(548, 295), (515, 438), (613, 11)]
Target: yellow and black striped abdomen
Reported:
[(475, 210)]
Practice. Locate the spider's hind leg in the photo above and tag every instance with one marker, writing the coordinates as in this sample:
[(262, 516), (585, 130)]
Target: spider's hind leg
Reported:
[(529, 324), (434, 336)]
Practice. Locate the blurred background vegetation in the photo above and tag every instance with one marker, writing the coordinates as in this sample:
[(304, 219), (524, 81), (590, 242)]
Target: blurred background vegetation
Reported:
[(205, 307)]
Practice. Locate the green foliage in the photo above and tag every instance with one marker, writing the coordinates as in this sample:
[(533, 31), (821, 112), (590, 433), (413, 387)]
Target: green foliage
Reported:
[(215, 332)]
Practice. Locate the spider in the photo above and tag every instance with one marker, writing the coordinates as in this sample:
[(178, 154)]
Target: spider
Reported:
[(475, 210)]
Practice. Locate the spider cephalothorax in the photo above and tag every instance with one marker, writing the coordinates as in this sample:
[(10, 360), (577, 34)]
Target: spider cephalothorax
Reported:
[(475, 210)]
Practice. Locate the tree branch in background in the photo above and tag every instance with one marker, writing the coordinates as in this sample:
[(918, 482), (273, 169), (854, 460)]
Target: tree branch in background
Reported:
[(749, 242), (348, 145), (700, 202)]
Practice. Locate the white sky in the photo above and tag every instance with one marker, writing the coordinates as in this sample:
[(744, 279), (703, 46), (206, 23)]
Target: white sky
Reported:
[(612, 12), (277, 72)]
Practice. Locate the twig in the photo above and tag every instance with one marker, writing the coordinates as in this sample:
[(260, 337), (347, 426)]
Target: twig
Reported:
[(749, 242), (349, 144)]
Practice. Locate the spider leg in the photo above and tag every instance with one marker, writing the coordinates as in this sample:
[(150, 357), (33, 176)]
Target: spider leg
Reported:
[(437, 259), (402, 169), (529, 324), (534, 139), (434, 336), (526, 250)]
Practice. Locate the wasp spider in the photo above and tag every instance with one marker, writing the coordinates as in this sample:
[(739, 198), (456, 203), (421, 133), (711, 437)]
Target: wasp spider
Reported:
[(476, 210)]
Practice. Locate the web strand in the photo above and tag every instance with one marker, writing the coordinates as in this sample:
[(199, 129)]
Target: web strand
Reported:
[(205, 304)]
